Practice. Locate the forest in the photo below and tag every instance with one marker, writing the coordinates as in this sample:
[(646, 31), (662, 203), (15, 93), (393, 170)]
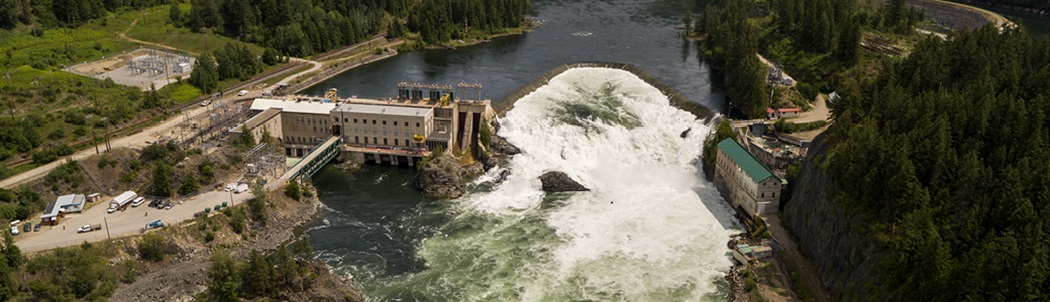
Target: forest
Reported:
[(731, 42), (942, 157), (814, 45)]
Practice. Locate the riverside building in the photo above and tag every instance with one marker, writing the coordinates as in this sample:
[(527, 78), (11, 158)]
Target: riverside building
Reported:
[(396, 131), (744, 181)]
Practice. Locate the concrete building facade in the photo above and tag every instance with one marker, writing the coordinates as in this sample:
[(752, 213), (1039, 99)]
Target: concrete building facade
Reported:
[(395, 131), (366, 125), (744, 181)]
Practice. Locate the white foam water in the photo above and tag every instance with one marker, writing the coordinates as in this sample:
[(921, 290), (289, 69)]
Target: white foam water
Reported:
[(650, 229)]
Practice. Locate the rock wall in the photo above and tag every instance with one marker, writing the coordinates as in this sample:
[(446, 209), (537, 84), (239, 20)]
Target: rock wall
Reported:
[(830, 235), (441, 178)]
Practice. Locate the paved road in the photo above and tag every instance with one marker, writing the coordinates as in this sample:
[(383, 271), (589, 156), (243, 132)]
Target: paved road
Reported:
[(136, 140), (121, 224), (819, 112), (289, 79)]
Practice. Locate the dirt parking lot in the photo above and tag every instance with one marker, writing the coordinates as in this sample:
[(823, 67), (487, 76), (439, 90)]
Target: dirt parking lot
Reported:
[(121, 223)]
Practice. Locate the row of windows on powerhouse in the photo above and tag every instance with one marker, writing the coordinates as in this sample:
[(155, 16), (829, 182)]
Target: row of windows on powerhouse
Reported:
[(346, 120), (741, 177), (357, 140), (365, 121), (726, 165)]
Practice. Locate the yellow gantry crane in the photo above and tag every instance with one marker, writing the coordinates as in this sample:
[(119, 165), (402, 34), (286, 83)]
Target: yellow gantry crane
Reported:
[(445, 99)]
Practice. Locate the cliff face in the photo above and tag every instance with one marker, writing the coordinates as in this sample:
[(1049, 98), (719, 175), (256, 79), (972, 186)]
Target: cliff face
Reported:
[(833, 237)]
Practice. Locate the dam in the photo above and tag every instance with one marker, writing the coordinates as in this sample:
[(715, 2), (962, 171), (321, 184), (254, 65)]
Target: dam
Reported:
[(395, 131)]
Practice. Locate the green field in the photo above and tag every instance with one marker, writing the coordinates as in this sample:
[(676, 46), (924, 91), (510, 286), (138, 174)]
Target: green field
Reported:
[(60, 108), (154, 26)]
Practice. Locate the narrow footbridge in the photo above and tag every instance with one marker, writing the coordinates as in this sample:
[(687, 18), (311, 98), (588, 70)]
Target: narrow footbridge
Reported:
[(312, 162)]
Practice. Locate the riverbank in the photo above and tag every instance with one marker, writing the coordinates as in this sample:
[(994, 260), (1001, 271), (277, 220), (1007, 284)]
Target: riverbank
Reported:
[(186, 275)]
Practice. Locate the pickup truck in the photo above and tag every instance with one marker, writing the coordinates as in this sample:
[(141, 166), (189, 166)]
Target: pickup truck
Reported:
[(152, 225), (89, 227)]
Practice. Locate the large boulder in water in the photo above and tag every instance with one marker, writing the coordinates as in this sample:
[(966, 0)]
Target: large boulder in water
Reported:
[(502, 146), (440, 178), (555, 181)]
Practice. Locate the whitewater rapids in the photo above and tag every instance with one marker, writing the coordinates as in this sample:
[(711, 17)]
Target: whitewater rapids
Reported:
[(650, 229)]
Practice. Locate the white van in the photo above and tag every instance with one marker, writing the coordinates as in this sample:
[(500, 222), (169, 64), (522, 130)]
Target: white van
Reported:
[(14, 227), (138, 202), (241, 188)]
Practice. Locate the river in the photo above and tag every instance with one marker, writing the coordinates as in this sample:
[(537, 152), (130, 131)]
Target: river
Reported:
[(641, 33), (651, 230)]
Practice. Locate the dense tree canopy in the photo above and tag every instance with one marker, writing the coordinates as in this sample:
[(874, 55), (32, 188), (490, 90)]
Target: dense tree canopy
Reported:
[(944, 156), (732, 42), (441, 20)]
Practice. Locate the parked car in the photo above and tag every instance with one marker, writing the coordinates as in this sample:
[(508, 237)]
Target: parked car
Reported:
[(205, 103), (169, 205), (14, 230), (28, 227), (230, 187), (153, 203), (36, 228), (138, 202), (240, 188), (242, 92)]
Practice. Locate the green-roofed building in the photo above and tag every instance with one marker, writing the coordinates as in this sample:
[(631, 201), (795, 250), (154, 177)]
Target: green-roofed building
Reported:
[(744, 181)]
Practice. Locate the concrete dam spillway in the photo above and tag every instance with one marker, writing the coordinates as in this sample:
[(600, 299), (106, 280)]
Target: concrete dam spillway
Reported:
[(651, 229)]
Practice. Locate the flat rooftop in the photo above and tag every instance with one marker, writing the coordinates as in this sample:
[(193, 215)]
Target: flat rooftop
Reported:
[(262, 117), (293, 106), (54, 207), (382, 109)]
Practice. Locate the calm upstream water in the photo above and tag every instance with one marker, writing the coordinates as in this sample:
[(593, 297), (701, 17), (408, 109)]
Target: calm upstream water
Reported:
[(625, 31)]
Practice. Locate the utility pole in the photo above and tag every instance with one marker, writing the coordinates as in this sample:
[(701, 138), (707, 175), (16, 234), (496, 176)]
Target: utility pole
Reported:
[(107, 227), (94, 139)]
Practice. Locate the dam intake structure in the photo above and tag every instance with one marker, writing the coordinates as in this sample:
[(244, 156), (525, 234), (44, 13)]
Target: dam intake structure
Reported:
[(393, 131)]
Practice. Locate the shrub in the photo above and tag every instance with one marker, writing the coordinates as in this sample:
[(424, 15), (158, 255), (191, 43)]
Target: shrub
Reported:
[(292, 190), (485, 135), (189, 186), (237, 221), (152, 247)]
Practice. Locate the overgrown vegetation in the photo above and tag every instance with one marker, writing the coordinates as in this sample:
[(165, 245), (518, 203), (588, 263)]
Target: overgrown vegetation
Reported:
[(262, 276), (152, 247), (943, 158), (18, 203), (258, 203), (788, 127), (723, 131), (73, 273), (292, 190)]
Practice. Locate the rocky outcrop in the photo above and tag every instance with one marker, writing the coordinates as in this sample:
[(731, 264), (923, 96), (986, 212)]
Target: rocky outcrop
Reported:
[(440, 178), (832, 237), (502, 146), (555, 181)]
